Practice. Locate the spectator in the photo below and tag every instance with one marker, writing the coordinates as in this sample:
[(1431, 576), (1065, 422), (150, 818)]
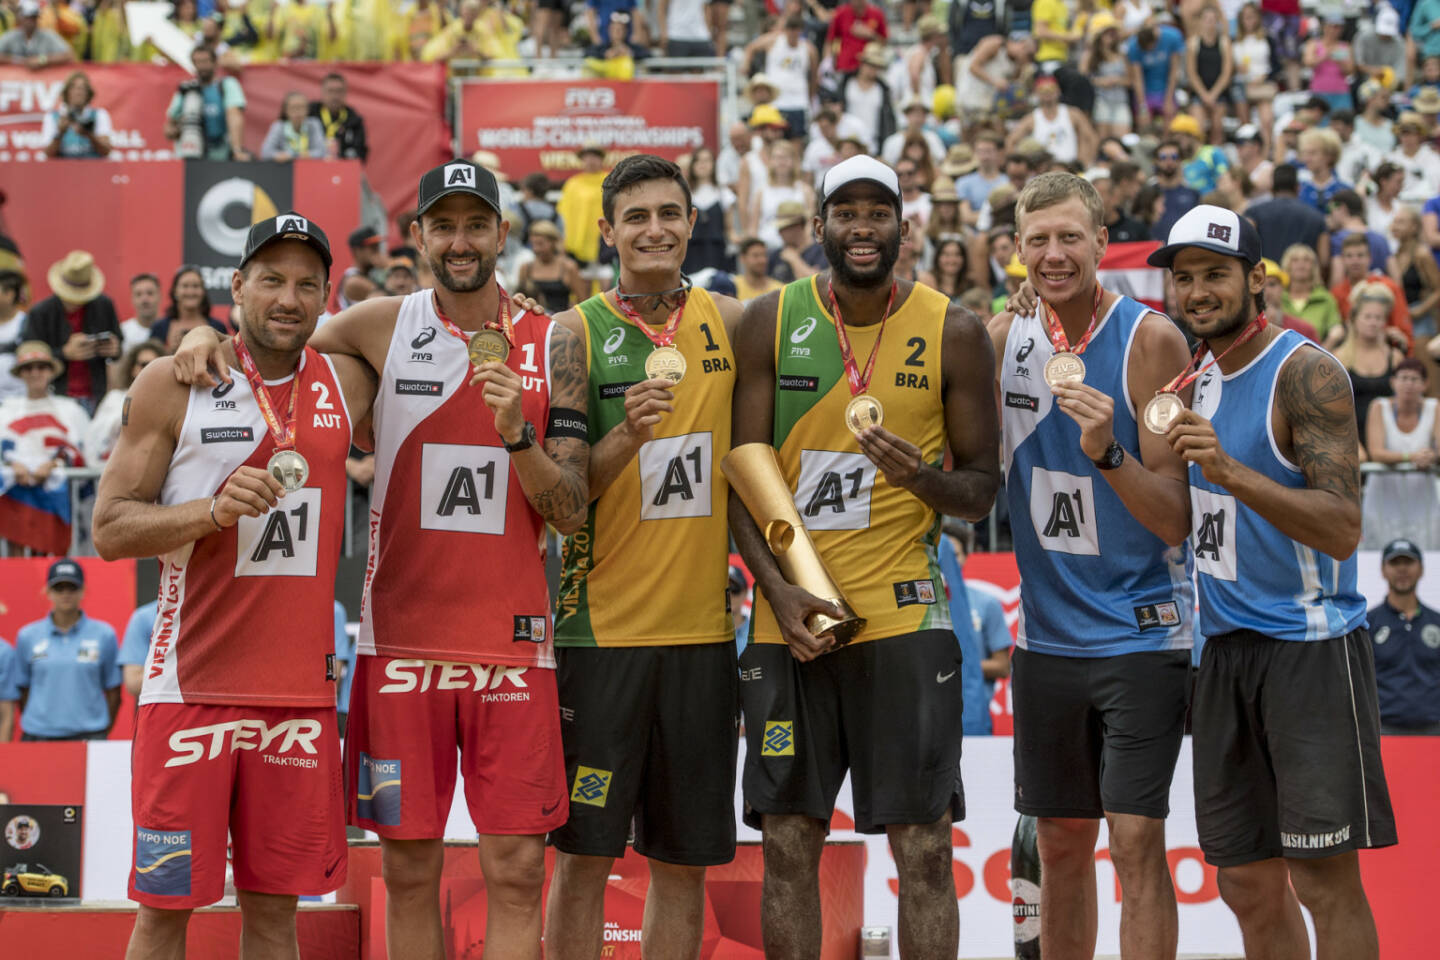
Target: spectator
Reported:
[(980, 627), (1357, 158), (580, 205), (1331, 62), (75, 129), (1372, 126), (997, 78), (39, 434), (1416, 158), (784, 183), (753, 280), (951, 273), (358, 282), (189, 308), (1108, 68), (866, 97), (145, 301), (1355, 269), (548, 27), (534, 205), (78, 322), (970, 22), (1118, 190), (1154, 54), (1210, 65), (300, 29), (1407, 646), (1413, 267), (552, 278), (714, 216), (1369, 357), (12, 323), (1401, 428), (1345, 217), (615, 58), (1202, 165), (9, 690), (1149, 207), (295, 134), (792, 64), (599, 13), (915, 202), (30, 45), (682, 30), (916, 73), (1379, 45), (1382, 208), (104, 429), (1063, 131), (795, 259), (854, 27), (1320, 153), (944, 218), (916, 113), (135, 646), (344, 128), (400, 279), (1305, 295), (207, 114), (421, 24), (1050, 22), (738, 143), (69, 677), (1284, 221), (1170, 178), (1425, 28), (1276, 280), (1254, 54)]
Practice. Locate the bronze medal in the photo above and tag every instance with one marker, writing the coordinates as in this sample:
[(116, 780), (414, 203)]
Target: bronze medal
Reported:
[(486, 345), (1162, 410), (290, 468), (1064, 367), (665, 363), (863, 411)]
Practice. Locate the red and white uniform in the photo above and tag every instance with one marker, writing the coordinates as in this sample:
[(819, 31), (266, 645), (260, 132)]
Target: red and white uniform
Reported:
[(237, 721), (455, 641)]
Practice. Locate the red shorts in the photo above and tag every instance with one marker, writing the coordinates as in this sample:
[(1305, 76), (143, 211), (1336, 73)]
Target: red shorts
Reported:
[(269, 777), (408, 717)]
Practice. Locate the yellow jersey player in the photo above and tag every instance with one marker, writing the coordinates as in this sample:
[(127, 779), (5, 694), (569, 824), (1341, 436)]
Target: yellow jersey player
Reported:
[(861, 382)]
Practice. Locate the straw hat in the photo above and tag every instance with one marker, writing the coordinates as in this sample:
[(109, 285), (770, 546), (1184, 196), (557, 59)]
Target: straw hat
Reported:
[(1427, 101), (942, 190), (35, 351), (761, 80), (76, 279), (545, 228), (875, 55), (959, 160), (789, 214)]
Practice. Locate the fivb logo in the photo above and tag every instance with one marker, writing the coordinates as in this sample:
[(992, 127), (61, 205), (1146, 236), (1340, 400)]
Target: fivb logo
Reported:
[(290, 223), (459, 175)]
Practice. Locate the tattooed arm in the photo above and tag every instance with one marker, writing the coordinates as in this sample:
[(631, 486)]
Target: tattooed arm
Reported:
[(1314, 425), (554, 479)]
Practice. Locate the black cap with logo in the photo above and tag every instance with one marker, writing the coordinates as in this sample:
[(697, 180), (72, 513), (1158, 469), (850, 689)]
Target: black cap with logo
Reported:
[(458, 176), (287, 226), (1401, 548), (65, 571)]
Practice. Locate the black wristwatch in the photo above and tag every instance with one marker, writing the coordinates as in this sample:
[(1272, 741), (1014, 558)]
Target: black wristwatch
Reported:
[(1113, 456), (526, 441)]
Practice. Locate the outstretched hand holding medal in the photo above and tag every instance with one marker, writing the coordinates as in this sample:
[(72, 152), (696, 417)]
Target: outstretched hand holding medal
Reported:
[(286, 464), (489, 348), (1166, 406)]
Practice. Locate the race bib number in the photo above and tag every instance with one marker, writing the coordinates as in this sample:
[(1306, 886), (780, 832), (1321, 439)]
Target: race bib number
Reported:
[(834, 490), (1062, 509), (675, 477), (463, 487), (1212, 516), (282, 543)]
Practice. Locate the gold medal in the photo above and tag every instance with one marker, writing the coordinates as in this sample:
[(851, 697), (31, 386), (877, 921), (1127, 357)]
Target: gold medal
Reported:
[(1064, 367), (1162, 410), (290, 468), (486, 345), (863, 411), (665, 363)]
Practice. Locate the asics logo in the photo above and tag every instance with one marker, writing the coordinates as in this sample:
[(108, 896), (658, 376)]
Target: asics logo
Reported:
[(800, 333), (425, 337), (612, 342)]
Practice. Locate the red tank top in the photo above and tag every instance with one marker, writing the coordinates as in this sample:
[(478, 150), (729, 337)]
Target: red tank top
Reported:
[(455, 570), (246, 614)]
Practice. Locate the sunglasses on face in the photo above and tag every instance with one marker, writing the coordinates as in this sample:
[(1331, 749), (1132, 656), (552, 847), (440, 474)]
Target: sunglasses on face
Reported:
[(1167, 156)]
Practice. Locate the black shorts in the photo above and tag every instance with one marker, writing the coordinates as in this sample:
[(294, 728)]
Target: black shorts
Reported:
[(1287, 749), (889, 711), (1097, 735), (650, 734)]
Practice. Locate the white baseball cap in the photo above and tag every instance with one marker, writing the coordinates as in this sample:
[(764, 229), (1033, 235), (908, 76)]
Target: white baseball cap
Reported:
[(1212, 228), (1387, 22), (856, 170)]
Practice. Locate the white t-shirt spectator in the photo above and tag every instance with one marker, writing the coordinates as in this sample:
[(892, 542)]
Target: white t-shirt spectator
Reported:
[(864, 107), (789, 67), (1422, 174), (894, 143), (132, 331)]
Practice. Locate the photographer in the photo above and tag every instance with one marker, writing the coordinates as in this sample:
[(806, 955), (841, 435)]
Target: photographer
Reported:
[(74, 128), (206, 116)]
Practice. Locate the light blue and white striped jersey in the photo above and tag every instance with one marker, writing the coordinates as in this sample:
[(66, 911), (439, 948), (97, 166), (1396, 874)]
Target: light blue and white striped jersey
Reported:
[(1251, 576), (1093, 581)]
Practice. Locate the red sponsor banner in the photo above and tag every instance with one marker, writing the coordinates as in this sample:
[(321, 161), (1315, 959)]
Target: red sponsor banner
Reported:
[(537, 125), (403, 105)]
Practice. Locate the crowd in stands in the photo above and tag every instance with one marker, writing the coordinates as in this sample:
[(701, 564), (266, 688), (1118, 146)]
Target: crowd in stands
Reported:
[(1317, 119)]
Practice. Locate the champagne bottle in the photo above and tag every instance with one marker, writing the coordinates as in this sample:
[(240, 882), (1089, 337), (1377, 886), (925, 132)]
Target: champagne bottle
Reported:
[(1025, 888)]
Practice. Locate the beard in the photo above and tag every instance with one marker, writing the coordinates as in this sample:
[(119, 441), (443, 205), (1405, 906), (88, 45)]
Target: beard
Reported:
[(876, 276), (1229, 326), (484, 270)]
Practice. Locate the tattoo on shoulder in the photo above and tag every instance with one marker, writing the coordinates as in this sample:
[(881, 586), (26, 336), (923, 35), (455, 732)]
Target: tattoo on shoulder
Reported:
[(1315, 399), (125, 413)]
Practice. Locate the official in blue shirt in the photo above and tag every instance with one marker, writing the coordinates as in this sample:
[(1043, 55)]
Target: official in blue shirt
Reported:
[(1406, 637), (985, 652), (69, 665), (136, 645), (9, 692)]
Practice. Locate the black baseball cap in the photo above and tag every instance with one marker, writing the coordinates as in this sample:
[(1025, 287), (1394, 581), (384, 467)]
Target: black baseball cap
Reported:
[(1211, 228), (287, 226), (65, 571), (458, 176), (1401, 548), (363, 236)]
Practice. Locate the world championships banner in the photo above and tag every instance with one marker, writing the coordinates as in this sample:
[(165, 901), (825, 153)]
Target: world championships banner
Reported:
[(537, 125)]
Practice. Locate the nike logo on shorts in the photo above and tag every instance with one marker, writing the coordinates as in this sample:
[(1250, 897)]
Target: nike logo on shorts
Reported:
[(546, 811), (942, 677)]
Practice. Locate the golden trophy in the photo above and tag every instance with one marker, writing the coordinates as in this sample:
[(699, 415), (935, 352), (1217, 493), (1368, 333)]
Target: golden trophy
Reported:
[(754, 473)]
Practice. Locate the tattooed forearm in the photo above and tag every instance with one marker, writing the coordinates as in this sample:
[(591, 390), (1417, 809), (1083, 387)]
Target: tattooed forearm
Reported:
[(554, 479), (1315, 399)]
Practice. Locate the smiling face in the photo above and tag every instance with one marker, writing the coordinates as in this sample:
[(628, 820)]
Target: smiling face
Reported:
[(652, 227), (861, 232), (282, 292), (1214, 293), (36, 377), (460, 238), (1061, 247), (189, 291)]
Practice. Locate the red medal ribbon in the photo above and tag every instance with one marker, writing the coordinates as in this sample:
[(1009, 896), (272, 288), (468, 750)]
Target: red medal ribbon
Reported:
[(1185, 377), (666, 336), (502, 323), (859, 382), (282, 433), (1057, 330)]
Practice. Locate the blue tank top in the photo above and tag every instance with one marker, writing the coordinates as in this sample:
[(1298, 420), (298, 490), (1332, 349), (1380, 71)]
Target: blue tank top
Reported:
[(1251, 576), (1094, 581)]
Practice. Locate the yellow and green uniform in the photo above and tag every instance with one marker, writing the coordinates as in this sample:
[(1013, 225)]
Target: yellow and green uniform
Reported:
[(878, 541), (651, 564)]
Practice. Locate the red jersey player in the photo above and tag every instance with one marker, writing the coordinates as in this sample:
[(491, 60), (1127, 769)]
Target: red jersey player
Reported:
[(455, 643), (240, 493)]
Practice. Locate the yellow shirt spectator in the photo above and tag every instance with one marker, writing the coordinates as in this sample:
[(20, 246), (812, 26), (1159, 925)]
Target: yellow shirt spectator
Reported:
[(109, 38), (417, 27), (296, 30), (1054, 14), (581, 208)]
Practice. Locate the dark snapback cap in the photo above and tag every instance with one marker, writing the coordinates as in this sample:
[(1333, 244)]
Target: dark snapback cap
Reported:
[(458, 176), (287, 226)]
